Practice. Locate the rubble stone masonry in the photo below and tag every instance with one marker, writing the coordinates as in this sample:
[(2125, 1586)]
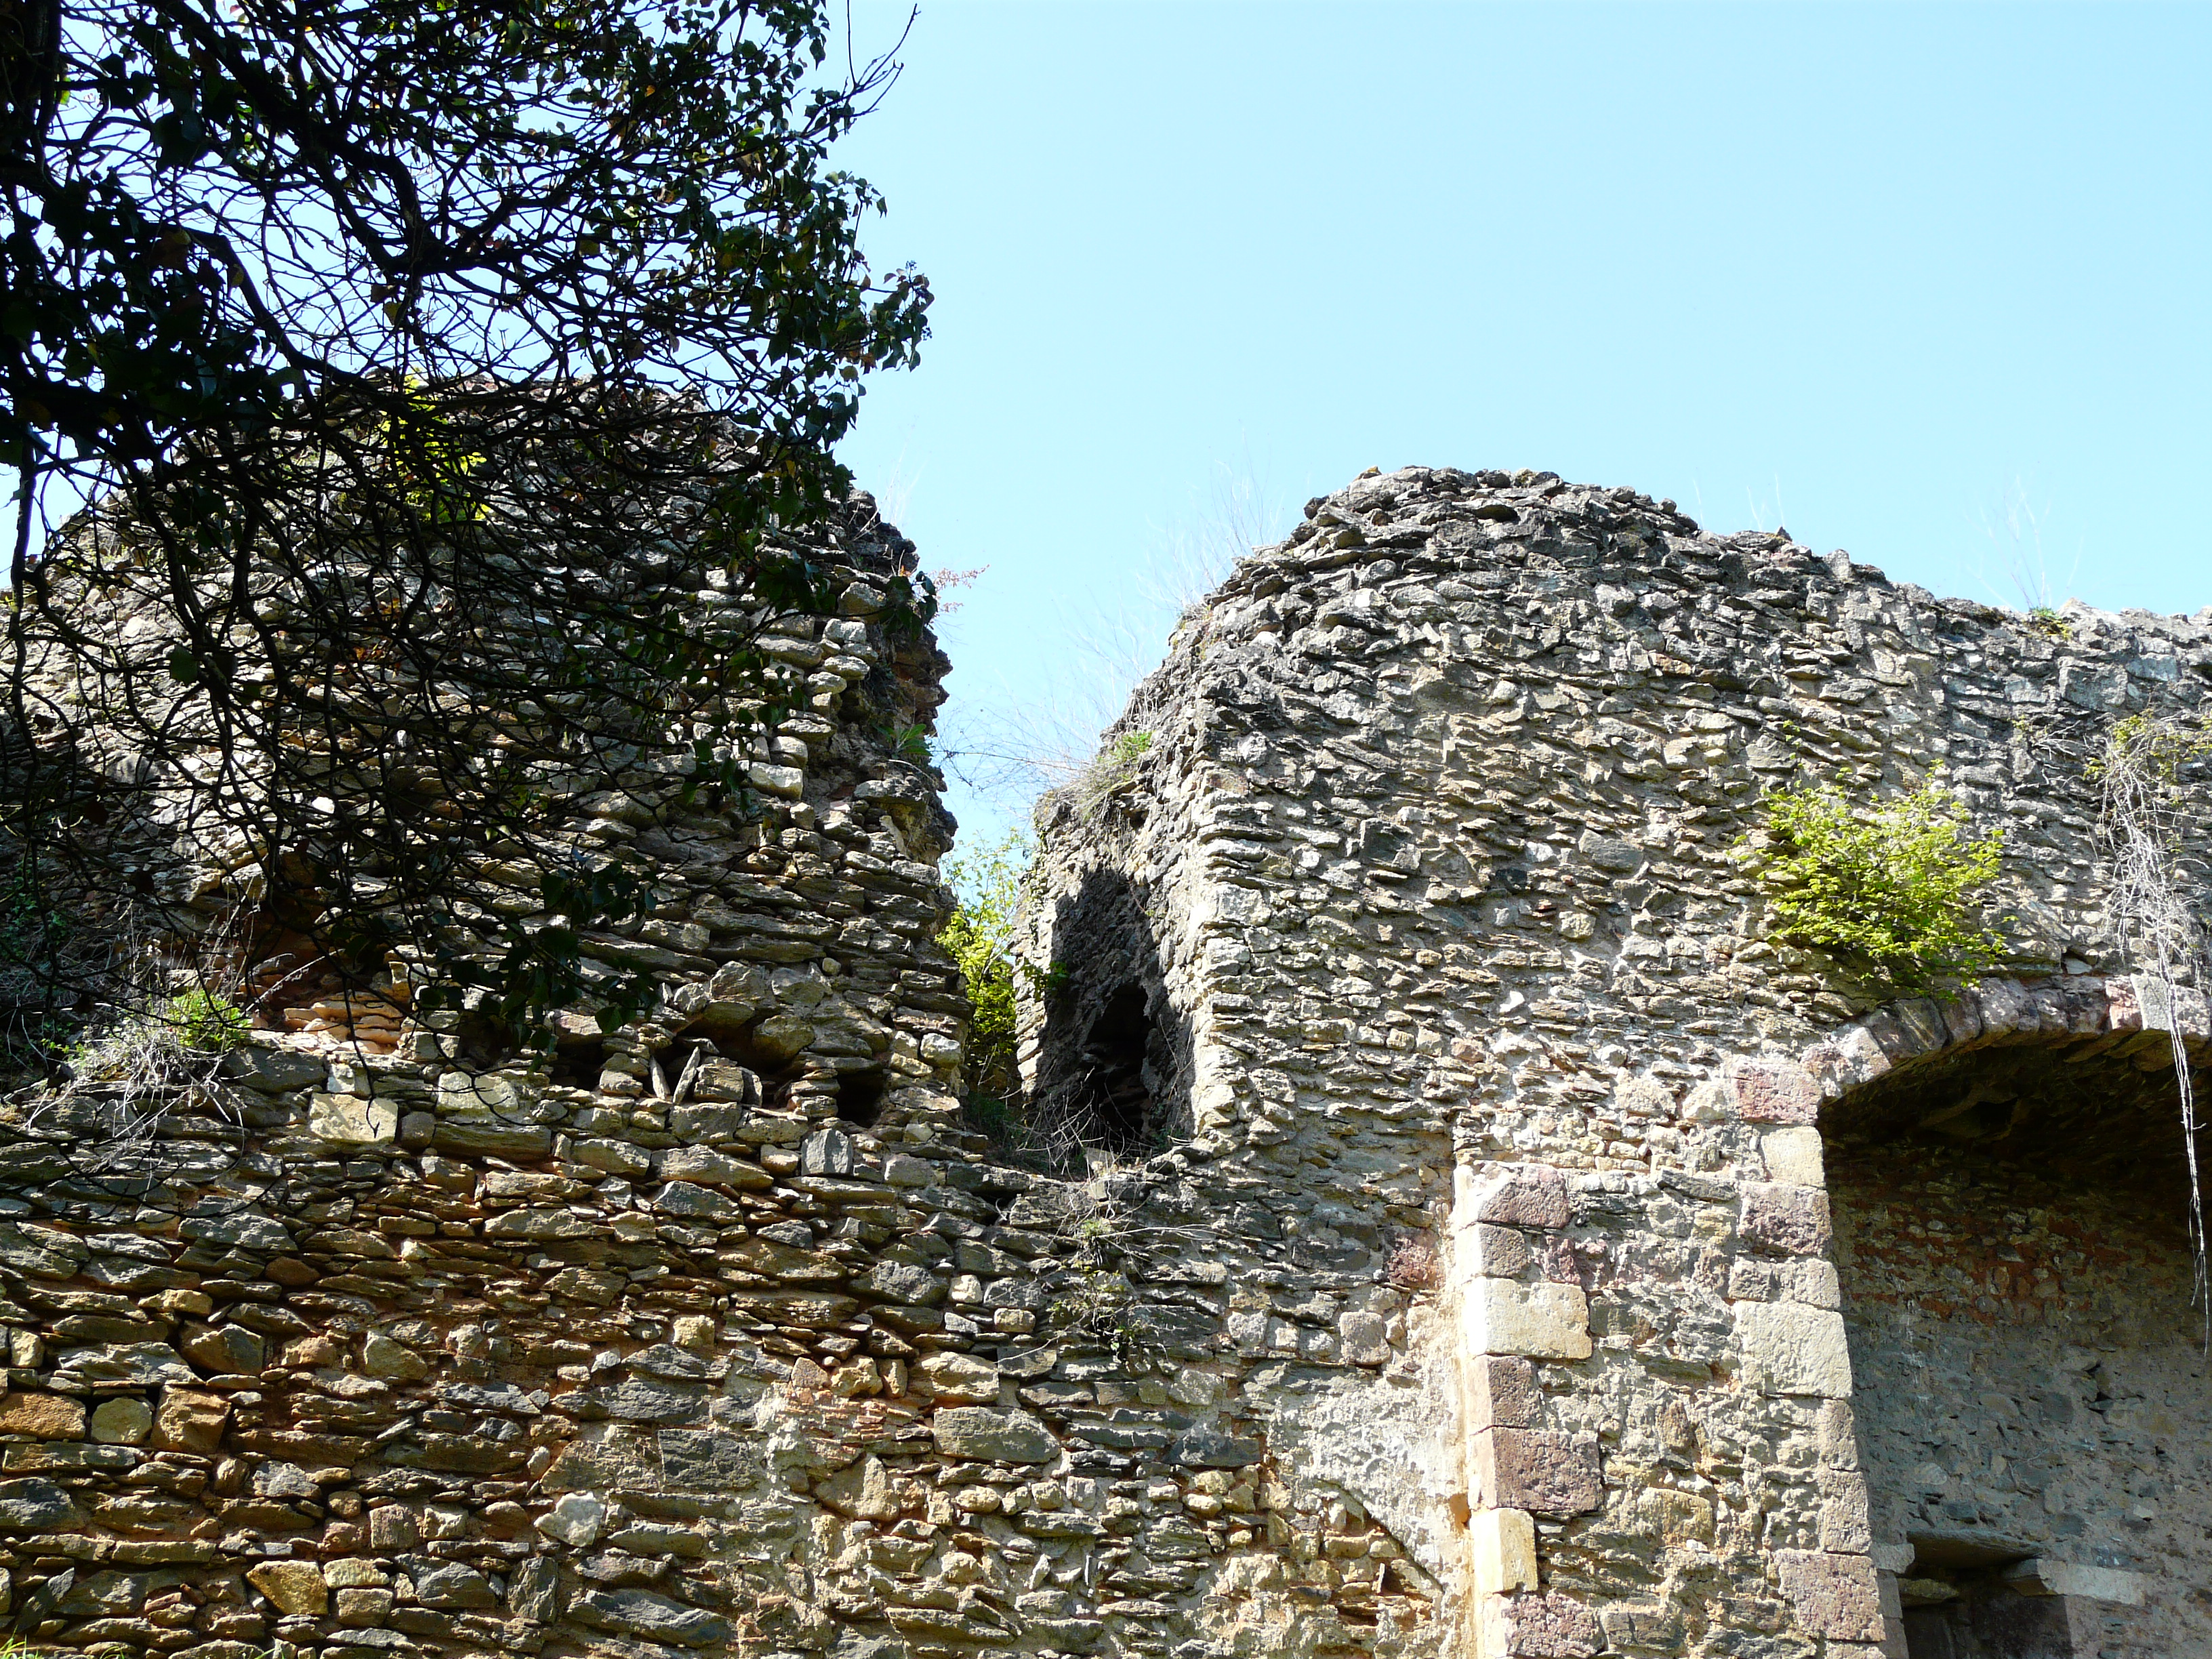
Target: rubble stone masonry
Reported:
[(1767, 1316), (1491, 1244)]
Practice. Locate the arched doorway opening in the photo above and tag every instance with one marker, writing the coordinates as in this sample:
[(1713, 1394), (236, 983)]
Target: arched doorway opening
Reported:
[(2029, 1372)]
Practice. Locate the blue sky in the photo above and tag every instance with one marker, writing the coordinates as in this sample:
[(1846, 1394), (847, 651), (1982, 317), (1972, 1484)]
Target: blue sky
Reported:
[(1884, 274)]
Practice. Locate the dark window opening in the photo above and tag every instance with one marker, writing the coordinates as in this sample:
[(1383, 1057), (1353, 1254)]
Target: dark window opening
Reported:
[(1964, 1599), (1115, 1106), (578, 1062), (860, 1098)]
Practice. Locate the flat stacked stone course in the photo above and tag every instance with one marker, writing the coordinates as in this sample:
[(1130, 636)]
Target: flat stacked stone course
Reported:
[(1425, 876)]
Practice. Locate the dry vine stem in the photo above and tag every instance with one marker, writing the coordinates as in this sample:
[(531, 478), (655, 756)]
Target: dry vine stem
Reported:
[(2140, 772)]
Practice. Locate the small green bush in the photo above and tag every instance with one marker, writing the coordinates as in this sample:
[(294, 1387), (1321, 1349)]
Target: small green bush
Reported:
[(909, 742), (1886, 890), (208, 1021), (987, 887)]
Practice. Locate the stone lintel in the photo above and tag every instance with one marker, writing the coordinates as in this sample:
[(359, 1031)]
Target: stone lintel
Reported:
[(2038, 1576)]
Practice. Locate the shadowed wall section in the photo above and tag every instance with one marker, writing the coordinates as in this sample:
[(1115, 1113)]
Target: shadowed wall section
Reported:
[(2030, 1372)]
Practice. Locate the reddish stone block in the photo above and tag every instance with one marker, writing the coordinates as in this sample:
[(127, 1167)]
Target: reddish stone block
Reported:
[(2122, 1013), (1773, 1092), (1835, 1595), (1501, 1392), (1522, 1195), (1534, 1469), (1789, 1220), (1549, 1626)]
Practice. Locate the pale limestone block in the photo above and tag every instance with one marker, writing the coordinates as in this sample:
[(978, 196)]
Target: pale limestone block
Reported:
[(351, 1121), (1844, 1528), (1503, 1544), (1814, 1283), (1543, 1322), (1793, 1156), (786, 780), (295, 1587), (1789, 1348)]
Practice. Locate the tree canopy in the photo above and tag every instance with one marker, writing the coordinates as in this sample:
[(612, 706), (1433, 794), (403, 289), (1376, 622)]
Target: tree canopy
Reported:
[(427, 363)]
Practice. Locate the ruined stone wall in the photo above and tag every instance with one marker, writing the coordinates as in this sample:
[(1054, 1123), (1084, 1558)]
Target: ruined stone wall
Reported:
[(1486, 1242), (1463, 1024), (702, 1335)]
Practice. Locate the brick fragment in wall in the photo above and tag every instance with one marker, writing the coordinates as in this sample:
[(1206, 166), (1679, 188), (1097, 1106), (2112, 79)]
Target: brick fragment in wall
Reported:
[(1513, 1195), (1773, 1092), (1493, 1252), (1538, 1626)]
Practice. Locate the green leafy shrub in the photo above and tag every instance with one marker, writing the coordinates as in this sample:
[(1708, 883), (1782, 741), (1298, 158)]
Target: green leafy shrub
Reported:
[(987, 887), (1886, 890), (1094, 1309), (208, 1021), (909, 742)]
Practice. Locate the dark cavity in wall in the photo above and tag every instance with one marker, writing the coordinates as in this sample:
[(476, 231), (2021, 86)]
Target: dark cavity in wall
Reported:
[(861, 1097), (1113, 1067), (578, 1060), (1114, 1106), (2011, 1234)]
